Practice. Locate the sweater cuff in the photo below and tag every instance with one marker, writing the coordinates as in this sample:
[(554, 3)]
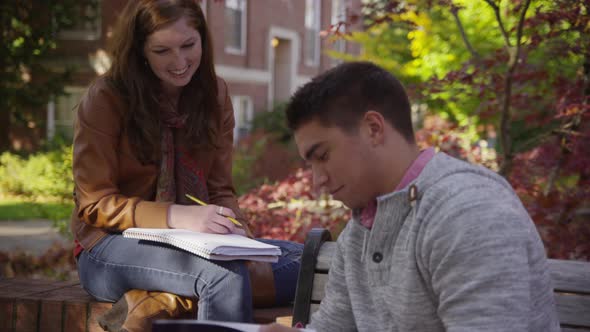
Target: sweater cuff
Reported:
[(152, 214)]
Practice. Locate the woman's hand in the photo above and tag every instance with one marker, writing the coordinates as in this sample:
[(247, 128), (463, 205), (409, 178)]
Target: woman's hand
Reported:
[(205, 219)]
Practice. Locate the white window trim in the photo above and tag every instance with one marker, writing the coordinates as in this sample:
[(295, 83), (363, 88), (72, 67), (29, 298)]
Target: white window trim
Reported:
[(237, 99), (52, 122), (336, 17), (240, 51), (243, 75), (84, 34), (315, 62)]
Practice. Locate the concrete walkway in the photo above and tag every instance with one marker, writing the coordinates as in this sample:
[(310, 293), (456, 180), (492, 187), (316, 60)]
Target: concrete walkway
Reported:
[(32, 236)]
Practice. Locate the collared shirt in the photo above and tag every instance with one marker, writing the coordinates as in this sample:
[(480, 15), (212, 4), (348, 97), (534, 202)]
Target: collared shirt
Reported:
[(368, 213)]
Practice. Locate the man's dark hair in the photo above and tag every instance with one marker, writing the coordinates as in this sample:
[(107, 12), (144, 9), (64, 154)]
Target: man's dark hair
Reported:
[(340, 97)]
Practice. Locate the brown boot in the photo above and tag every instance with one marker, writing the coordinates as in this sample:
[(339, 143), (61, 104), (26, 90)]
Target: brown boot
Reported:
[(136, 310)]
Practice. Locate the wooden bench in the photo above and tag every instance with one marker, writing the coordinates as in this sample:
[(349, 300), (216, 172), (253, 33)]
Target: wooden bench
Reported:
[(571, 281), (63, 306)]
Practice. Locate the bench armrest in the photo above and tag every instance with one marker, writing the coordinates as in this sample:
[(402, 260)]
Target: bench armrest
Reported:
[(314, 240)]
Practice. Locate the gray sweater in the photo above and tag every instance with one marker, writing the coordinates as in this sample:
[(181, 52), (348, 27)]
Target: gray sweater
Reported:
[(463, 256)]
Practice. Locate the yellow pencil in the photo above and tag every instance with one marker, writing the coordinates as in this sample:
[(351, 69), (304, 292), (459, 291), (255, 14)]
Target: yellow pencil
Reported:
[(200, 202)]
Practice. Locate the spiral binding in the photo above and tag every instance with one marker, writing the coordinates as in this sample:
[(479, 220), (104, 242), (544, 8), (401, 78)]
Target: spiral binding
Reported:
[(166, 238)]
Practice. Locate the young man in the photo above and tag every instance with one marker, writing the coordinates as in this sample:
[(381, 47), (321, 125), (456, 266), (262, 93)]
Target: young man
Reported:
[(435, 244)]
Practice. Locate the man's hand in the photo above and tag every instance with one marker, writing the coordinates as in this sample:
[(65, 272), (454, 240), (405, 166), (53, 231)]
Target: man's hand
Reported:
[(274, 327)]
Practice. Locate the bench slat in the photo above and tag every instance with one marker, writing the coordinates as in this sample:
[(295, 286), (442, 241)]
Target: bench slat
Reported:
[(319, 283), (325, 256), (570, 276), (573, 309), (565, 329)]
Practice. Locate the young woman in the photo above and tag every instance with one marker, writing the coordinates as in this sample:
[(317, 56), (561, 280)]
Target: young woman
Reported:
[(159, 125)]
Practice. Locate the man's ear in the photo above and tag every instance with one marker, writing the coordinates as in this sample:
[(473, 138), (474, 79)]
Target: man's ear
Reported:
[(374, 124)]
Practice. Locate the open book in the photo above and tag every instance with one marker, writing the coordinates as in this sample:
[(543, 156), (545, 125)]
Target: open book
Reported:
[(224, 247)]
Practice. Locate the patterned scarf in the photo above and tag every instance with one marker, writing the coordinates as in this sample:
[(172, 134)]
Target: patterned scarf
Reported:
[(179, 173)]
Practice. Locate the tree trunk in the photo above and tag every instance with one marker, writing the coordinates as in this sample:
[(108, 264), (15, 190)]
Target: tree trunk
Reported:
[(4, 107), (4, 130)]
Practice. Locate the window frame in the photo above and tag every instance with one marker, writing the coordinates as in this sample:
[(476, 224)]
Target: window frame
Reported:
[(237, 102), (77, 93), (339, 15), (85, 34), (230, 49), (314, 61)]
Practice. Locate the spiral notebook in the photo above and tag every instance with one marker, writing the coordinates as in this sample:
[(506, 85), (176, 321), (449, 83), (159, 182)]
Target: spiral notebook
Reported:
[(193, 325), (223, 247)]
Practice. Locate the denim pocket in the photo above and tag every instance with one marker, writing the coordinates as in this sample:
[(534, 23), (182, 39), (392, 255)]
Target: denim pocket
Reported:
[(99, 247)]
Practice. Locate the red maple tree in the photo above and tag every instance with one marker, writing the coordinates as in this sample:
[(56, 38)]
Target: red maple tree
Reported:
[(536, 114)]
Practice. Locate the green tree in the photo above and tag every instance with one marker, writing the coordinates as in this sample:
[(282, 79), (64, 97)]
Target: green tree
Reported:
[(503, 63), (521, 67), (29, 31)]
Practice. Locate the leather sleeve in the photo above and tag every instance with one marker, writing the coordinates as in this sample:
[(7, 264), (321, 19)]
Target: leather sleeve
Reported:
[(219, 183), (96, 157)]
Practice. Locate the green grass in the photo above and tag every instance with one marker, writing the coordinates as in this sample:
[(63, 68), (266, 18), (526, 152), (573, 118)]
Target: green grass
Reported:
[(20, 209)]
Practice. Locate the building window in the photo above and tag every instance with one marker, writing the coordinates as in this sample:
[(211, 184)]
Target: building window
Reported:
[(243, 114), (337, 21), (312, 32), (64, 109), (87, 28), (235, 26)]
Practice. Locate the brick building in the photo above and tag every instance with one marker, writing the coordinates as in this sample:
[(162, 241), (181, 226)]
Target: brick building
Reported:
[(264, 49)]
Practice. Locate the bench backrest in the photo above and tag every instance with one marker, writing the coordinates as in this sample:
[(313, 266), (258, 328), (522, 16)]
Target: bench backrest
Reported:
[(571, 281)]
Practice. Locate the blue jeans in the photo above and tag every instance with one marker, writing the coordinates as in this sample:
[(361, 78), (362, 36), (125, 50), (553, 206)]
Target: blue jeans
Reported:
[(117, 264)]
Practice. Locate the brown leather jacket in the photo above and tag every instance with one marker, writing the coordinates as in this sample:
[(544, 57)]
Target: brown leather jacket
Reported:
[(113, 190)]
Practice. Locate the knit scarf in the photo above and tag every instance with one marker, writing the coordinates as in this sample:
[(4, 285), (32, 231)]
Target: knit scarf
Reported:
[(180, 173)]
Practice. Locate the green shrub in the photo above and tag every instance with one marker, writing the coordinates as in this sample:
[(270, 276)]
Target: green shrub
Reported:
[(260, 158), (43, 174), (274, 123), (11, 175), (268, 154), (246, 153)]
